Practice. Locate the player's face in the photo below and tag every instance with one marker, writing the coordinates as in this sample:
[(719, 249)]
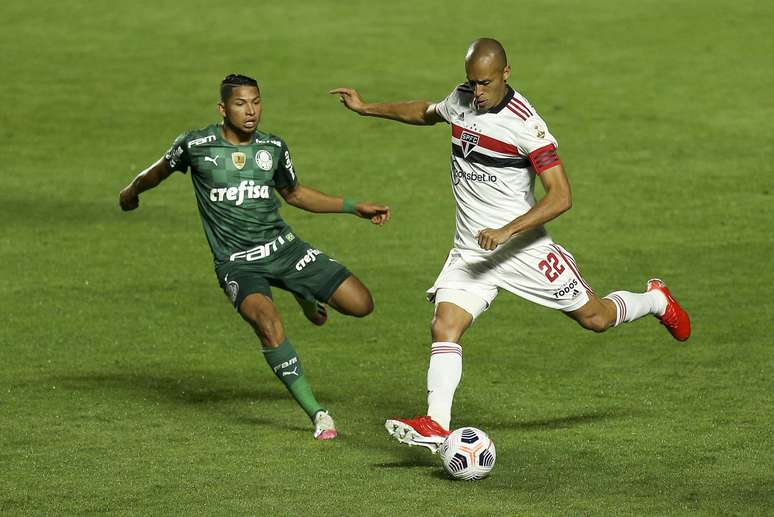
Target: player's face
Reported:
[(488, 81), (242, 110)]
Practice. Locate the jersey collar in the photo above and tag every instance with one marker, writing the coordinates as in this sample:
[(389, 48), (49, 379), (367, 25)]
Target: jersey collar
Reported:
[(508, 96)]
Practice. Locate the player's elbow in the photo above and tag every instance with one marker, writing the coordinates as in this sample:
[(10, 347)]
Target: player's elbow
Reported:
[(566, 203)]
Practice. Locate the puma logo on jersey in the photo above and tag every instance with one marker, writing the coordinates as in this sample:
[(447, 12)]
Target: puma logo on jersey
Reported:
[(246, 189), (469, 141), (213, 160)]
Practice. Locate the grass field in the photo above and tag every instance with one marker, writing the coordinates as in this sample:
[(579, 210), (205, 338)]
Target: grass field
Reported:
[(129, 386)]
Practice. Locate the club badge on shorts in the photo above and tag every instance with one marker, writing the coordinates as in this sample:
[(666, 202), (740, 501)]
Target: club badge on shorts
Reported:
[(232, 288), (263, 160), (239, 160)]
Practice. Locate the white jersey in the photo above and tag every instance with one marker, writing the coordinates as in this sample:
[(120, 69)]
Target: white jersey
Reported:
[(495, 157)]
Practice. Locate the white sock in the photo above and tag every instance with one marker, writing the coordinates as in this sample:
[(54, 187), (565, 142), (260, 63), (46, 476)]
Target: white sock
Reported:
[(443, 376), (633, 306)]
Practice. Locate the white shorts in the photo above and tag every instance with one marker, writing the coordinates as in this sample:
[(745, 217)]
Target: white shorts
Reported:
[(545, 274)]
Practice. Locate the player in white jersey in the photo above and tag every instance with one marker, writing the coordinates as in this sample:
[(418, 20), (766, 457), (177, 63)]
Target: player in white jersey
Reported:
[(500, 145)]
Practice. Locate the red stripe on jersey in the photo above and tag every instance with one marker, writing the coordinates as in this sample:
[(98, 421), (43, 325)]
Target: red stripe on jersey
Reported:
[(573, 267), (523, 106), (519, 114), (544, 158), (487, 142), (513, 106)]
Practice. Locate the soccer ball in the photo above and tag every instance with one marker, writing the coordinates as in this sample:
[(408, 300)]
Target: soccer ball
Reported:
[(468, 453)]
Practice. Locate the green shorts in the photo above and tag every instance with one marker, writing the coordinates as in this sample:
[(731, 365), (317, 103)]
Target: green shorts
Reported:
[(295, 266)]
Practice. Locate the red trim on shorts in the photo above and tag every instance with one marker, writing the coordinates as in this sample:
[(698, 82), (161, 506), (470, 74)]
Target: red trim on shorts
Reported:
[(573, 267)]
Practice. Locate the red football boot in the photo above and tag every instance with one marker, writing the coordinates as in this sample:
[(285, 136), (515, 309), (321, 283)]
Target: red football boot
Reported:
[(675, 319), (421, 430)]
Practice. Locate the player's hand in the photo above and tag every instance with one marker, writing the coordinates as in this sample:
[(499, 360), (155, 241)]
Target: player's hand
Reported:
[(350, 98), (378, 214), (128, 199), (489, 238)]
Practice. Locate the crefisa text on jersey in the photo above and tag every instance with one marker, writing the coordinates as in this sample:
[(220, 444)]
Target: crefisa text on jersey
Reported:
[(246, 187)]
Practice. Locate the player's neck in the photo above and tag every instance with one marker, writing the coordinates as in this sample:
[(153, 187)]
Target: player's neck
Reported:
[(234, 136)]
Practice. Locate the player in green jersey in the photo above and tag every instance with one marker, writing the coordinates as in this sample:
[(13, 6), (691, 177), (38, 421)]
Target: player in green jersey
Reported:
[(235, 170)]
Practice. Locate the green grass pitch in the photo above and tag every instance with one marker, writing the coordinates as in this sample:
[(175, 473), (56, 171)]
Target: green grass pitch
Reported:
[(128, 385)]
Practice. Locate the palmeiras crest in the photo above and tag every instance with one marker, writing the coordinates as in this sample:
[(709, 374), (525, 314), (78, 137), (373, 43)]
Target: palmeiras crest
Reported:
[(232, 289)]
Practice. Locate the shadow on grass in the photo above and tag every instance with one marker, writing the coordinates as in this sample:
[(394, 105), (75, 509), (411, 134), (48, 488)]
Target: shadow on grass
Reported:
[(191, 388), (206, 392), (548, 424)]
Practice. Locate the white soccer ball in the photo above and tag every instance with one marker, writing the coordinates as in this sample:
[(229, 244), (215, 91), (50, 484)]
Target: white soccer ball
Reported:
[(468, 453)]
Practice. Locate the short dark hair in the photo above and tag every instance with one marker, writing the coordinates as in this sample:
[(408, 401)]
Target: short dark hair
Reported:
[(231, 81)]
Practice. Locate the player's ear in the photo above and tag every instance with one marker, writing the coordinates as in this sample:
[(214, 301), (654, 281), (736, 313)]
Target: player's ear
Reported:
[(221, 108), (506, 72)]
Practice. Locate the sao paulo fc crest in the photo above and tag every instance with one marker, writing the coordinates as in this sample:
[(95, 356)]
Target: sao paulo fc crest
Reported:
[(469, 142)]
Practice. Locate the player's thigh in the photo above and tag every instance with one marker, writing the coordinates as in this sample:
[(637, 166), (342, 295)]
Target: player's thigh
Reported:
[(309, 273), (352, 297), (466, 282), (546, 275), (247, 287), (454, 312)]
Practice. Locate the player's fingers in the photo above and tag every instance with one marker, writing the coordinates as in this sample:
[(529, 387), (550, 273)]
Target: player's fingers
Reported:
[(340, 91)]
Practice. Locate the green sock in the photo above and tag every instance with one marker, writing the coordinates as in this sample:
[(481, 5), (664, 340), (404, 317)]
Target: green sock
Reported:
[(285, 364)]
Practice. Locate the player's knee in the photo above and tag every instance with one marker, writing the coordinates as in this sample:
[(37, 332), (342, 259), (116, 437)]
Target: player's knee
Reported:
[(268, 327), (595, 323), (445, 329), (363, 306)]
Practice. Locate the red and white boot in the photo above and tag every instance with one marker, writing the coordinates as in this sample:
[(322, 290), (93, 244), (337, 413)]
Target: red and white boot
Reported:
[(421, 430), (675, 319)]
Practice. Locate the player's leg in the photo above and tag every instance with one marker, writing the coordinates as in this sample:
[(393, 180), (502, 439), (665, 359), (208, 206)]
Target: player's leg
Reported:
[(315, 311), (565, 289), (352, 298), (462, 292), (261, 313), (455, 311), (618, 307)]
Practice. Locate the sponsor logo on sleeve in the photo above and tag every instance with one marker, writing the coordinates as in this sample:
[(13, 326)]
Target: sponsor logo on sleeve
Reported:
[(201, 140), (289, 165)]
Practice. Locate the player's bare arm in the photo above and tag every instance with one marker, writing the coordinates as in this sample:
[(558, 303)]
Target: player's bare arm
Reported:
[(419, 113), (129, 197), (557, 200), (312, 200)]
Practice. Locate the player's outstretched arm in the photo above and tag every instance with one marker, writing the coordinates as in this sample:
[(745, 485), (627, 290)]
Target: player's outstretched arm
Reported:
[(558, 199), (129, 197), (313, 200), (419, 113)]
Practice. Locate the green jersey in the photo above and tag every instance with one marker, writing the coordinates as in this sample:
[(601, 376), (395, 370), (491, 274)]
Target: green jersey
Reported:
[(234, 186)]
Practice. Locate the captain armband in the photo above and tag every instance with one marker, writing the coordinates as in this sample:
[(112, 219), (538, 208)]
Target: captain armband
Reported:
[(544, 158)]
